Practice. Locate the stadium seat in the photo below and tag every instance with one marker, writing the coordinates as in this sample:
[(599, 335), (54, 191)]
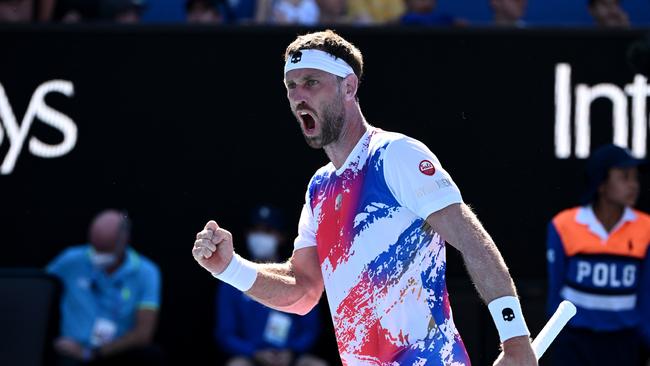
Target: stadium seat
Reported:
[(29, 316)]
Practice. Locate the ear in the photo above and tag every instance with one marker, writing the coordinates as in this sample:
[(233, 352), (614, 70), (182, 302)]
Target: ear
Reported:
[(349, 86)]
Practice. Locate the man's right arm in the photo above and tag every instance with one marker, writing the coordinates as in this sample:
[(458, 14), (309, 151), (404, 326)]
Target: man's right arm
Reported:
[(294, 286)]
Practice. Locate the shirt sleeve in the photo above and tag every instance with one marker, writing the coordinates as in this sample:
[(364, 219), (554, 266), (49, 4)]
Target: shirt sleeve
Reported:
[(416, 178), (56, 266), (555, 258), (60, 266), (150, 297), (306, 227)]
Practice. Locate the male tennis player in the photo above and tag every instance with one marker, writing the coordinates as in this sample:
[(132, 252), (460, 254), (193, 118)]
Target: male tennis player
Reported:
[(372, 231)]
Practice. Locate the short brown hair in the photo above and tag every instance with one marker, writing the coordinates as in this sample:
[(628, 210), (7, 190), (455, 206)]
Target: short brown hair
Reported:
[(330, 42)]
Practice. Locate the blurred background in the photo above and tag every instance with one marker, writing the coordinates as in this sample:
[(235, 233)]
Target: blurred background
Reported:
[(176, 112)]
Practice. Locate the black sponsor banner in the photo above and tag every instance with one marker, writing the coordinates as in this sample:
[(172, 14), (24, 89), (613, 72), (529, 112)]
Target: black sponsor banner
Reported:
[(181, 125)]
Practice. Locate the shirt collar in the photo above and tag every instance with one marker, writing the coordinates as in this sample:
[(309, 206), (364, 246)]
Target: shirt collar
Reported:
[(586, 216), (130, 262), (354, 158)]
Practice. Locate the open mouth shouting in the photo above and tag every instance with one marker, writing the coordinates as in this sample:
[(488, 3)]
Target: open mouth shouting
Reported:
[(307, 119)]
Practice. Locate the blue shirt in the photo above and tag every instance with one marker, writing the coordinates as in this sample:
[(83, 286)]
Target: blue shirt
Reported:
[(90, 293), (605, 274), (244, 326)]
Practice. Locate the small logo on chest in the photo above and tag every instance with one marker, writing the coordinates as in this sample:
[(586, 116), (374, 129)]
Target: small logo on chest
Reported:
[(338, 202)]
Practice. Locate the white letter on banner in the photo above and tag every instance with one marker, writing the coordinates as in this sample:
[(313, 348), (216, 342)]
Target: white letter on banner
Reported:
[(585, 95), (562, 111), (55, 119), (17, 134), (639, 91)]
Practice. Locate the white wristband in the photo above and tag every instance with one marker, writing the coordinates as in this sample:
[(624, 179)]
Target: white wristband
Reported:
[(240, 273), (507, 315)]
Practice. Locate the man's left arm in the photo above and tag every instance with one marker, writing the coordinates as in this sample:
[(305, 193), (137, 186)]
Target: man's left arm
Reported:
[(460, 227)]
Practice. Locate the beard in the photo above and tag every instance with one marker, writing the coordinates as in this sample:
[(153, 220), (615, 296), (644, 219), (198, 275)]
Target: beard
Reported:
[(332, 120)]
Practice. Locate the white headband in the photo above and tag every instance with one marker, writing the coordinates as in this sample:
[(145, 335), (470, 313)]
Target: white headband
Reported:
[(317, 59)]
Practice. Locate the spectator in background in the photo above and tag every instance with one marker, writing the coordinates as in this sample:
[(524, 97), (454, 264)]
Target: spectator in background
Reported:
[(333, 11), (423, 12), (120, 11), (44, 10), (16, 11), (240, 11), (111, 297), (249, 332), (288, 12), (75, 11), (508, 13), (608, 13), (375, 12), (598, 259), (203, 11)]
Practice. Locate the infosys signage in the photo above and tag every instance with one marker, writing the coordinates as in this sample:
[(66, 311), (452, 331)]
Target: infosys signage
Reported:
[(15, 134), (628, 100)]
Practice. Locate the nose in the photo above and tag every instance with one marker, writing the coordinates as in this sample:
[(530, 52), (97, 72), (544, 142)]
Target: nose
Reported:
[(297, 95)]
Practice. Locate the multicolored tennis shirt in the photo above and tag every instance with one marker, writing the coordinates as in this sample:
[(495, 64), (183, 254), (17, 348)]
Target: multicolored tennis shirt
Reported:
[(384, 275)]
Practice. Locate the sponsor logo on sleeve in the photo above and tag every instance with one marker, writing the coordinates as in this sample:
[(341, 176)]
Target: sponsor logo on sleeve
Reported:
[(427, 168)]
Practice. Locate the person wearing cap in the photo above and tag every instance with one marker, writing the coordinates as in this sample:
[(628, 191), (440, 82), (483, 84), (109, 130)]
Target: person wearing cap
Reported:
[(598, 259), (111, 298), (372, 231), (251, 333)]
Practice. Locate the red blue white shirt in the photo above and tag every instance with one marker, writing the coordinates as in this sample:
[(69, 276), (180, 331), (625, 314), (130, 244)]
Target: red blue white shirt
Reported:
[(384, 275)]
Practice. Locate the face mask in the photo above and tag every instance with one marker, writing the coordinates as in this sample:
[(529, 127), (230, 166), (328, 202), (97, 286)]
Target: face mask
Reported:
[(102, 260), (261, 245)]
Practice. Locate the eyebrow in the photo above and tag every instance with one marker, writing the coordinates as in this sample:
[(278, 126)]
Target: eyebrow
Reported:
[(302, 78)]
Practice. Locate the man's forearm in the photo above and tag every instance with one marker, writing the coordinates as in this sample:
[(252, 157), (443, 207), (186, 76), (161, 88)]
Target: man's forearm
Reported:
[(460, 227), (277, 287), (486, 266)]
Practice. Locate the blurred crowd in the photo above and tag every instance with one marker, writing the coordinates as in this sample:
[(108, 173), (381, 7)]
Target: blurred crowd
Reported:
[(443, 13)]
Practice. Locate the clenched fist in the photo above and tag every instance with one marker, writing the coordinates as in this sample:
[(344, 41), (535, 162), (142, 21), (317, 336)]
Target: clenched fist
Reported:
[(213, 248)]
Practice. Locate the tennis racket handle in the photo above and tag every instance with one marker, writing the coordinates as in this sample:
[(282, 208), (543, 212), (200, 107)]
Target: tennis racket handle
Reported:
[(560, 318)]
